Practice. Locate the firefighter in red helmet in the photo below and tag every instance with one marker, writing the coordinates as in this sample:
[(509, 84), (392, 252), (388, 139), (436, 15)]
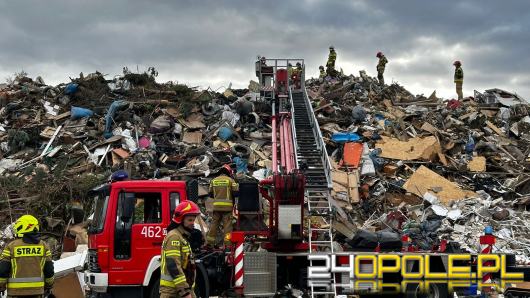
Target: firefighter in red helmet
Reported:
[(177, 267), (223, 191)]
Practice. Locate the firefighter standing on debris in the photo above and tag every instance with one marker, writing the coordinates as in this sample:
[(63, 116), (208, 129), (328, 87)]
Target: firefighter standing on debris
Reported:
[(322, 72), (459, 79), (381, 67), (223, 190), (330, 65), (26, 267), (177, 266)]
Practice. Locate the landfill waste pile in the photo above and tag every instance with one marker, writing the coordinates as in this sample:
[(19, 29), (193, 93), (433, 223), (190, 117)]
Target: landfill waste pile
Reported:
[(403, 165), (437, 171)]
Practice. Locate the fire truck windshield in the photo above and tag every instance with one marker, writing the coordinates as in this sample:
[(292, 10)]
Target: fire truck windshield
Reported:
[(100, 202)]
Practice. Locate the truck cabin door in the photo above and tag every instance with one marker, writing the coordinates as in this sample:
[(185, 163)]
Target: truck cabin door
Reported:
[(138, 234)]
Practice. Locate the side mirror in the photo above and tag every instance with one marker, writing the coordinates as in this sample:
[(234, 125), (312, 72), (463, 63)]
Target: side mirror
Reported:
[(127, 205), (192, 190)]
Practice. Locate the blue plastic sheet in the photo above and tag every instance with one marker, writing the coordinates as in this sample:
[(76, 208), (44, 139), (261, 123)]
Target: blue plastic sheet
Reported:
[(241, 165), (343, 137), (78, 113), (225, 133), (71, 89)]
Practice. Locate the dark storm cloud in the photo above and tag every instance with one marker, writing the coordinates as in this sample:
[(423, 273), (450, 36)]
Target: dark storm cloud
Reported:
[(215, 42)]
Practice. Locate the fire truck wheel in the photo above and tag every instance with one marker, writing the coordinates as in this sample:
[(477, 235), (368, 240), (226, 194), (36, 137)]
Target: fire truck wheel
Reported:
[(154, 288)]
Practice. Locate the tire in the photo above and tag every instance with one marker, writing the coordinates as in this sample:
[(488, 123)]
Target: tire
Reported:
[(154, 289), (209, 110), (241, 150)]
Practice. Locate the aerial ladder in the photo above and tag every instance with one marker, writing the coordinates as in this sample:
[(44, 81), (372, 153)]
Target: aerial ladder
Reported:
[(301, 151)]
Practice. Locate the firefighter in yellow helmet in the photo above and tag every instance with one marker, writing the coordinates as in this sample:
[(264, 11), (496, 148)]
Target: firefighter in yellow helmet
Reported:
[(26, 267), (223, 190), (177, 266)]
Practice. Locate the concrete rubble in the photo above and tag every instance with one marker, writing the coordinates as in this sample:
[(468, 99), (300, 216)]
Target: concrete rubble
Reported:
[(425, 167)]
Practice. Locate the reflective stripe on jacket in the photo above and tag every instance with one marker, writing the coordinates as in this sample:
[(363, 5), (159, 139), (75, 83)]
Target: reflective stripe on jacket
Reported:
[(223, 189), (22, 268)]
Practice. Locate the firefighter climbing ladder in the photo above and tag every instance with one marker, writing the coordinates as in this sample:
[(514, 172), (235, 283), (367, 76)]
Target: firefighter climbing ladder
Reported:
[(312, 160)]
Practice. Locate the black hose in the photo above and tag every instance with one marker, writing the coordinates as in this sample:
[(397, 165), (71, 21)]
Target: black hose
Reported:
[(202, 274)]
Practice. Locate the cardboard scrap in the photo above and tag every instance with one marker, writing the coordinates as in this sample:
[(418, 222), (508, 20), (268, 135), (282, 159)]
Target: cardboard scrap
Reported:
[(477, 164), (425, 180), (67, 286), (48, 132), (346, 182), (193, 121), (429, 127), (413, 149), (192, 137)]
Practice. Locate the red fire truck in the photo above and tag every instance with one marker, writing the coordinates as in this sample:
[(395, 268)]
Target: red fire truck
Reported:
[(127, 229)]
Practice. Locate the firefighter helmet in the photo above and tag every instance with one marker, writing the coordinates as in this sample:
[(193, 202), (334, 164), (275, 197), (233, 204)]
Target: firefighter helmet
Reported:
[(321, 67), (26, 224), (183, 209), (379, 54), (457, 63), (227, 169)]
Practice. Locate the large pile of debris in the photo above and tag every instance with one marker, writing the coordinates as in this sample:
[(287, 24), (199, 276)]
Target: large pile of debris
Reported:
[(64, 140), (412, 165), (424, 167)]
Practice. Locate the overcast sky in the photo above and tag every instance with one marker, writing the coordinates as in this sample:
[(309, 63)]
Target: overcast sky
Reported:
[(212, 43)]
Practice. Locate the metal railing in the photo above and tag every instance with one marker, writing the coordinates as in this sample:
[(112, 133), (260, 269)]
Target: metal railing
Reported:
[(293, 128), (320, 142), (276, 64)]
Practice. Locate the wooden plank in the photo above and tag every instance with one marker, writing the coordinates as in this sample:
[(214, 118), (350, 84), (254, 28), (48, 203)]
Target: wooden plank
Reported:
[(495, 128)]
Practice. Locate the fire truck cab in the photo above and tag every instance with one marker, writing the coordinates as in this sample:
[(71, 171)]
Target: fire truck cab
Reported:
[(125, 235)]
